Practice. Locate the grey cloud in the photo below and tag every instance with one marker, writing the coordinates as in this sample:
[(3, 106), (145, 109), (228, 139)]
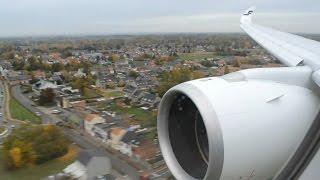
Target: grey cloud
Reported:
[(54, 17)]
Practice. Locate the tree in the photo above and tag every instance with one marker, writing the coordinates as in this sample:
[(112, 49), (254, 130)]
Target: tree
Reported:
[(133, 74), (16, 156), (174, 77), (237, 63), (56, 67), (66, 53), (18, 64), (110, 85), (47, 96), (207, 63), (114, 58), (83, 82), (226, 69), (121, 83), (29, 144), (34, 64)]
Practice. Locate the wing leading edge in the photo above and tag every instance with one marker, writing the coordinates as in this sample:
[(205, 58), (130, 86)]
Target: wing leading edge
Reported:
[(290, 49)]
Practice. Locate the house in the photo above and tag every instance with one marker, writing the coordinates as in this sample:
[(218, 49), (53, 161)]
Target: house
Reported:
[(21, 79), (70, 100), (111, 116), (78, 105), (122, 66), (145, 82), (90, 165), (129, 140), (129, 89), (116, 135), (41, 85), (39, 74), (93, 57), (121, 139), (103, 79), (79, 73), (90, 120), (5, 65), (17, 77), (102, 130), (149, 99), (136, 95), (3, 71), (69, 90), (56, 79)]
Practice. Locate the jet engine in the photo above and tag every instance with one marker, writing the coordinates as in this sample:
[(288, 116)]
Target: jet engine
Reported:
[(239, 126)]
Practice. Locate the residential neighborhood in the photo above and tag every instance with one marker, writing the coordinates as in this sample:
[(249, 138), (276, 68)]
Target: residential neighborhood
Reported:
[(105, 97)]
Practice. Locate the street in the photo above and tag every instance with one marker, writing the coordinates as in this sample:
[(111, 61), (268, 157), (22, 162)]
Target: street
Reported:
[(118, 164), (16, 93), (3, 121)]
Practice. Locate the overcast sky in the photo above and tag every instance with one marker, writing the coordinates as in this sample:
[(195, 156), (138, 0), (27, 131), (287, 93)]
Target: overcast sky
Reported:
[(94, 17)]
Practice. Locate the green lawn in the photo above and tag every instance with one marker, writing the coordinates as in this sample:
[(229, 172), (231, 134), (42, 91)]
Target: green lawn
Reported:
[(143, 117), (37, 172), (19, 112), (90, 93), (196, 56), (113, 94)]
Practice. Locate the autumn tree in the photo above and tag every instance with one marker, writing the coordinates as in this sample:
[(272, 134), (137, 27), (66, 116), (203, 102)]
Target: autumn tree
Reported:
[(18, 64), (133, 74), (121, 83), (237, 63), (47, 96), (83, 82), (56, 67), (174, 77), (110, 85), (33, 145), (114, 58), (226, 69)]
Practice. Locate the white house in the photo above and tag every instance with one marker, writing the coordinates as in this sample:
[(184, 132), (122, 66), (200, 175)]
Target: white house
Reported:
[(101, 130), (79, 73), (90, 120), (116, 135), (90, 165), (123, 140), (129, 140)]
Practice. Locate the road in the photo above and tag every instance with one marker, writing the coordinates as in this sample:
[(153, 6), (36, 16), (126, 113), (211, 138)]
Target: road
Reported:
[(118, 164), (3, 121), (27, 103)]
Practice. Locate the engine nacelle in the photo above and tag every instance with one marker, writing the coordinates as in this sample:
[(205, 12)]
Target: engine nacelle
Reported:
[(214, 128)]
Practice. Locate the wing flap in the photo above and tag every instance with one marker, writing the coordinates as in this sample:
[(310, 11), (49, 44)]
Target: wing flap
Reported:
[(290, 49)]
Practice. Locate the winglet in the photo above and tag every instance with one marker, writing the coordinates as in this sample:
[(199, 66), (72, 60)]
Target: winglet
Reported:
[(247, 15)]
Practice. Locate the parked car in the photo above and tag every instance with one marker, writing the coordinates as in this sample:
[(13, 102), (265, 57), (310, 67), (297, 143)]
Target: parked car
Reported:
[(55, 111)]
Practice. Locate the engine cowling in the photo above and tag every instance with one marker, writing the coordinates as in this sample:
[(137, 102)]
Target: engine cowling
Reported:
[(214, 128)]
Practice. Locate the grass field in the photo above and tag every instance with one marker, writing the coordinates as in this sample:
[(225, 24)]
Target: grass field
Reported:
[(113, 94), (37, 172), (90, 93), (19, 112), (196, 56), (143, 117)]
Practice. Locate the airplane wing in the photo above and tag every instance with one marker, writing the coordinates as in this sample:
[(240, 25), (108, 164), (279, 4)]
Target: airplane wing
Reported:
[(291, 50)]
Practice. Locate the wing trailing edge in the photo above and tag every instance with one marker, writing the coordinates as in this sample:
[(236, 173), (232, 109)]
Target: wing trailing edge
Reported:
[(291, 50)]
